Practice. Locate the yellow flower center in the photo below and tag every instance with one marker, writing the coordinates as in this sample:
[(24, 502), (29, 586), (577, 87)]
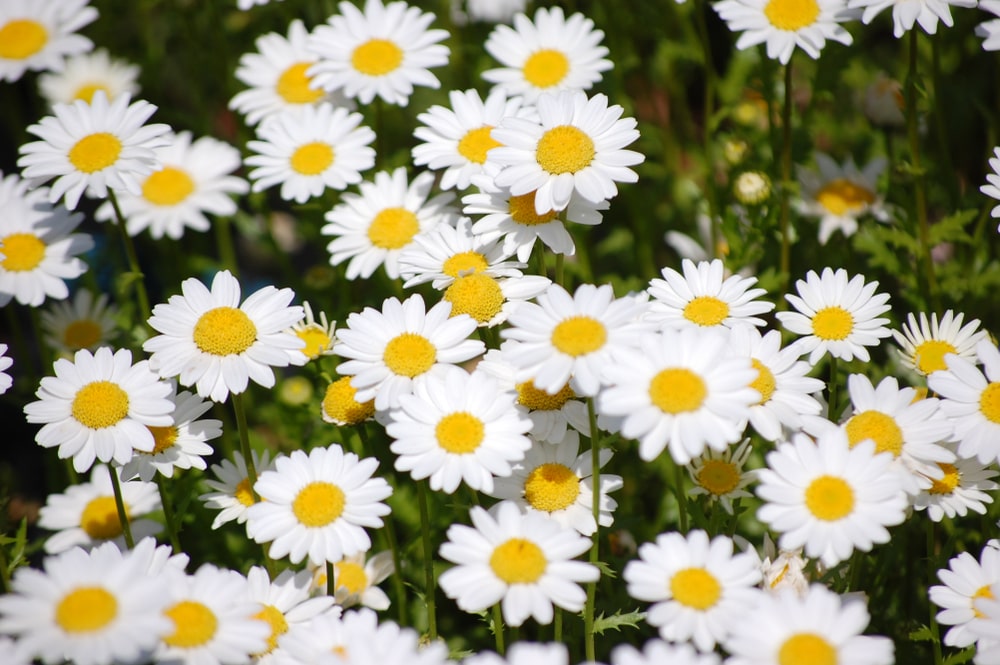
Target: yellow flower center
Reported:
[(948, 482), (534, 399), (706, 311), (696, 588), (100, 518), (477, 295), (982, 592), (312, 158), (518, 561), (293, 85), (464, 263), (807, 649), (167, 187), (317, 341), (95, 152), (880, 428), (718, 476), (21, 252), (842, 196), (989, 402), (339, 403), (100, 404), (545, 68), (86, 609), (929, 356), (22, 38), (351, 576), (82, 334), (829, 498), (87, 91), (832, 323), (564, 149), (459, 433), (273, 617), (409, 354), (579, 335), (791, 15), (552, 486), (224, 331), (764, 383), (393, 228), (377, 57), (522, 211), (244, 493), (318, 504), (163, 438), (677, 390), (476, 143), (194, 625)]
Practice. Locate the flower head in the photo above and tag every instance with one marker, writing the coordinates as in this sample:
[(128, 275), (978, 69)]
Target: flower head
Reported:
[(784, 25), (40, 34), (87, 73), (907, 12), (971, 400), (232, 493), (80, 323), (924, 346), (840, 194)]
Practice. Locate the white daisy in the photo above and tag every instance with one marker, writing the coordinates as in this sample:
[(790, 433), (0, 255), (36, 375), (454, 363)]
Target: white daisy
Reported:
[(924, 346), (490, 300), (12, 653), (40, 34), (38, 249), (90, 608), (720, 476), (458, 427), (657, 652), (232, 494), (284, 602), (699, 588), (829, 497), (523, 653), (488, 11), (340, 406), (372, 228), (209, 338), (245, 5), (964, 581), (971, 399), (557, 481), (100, 406), (907, 12), (194, 180), (87, 73), (385, 50), (318, 336), (317, 504), (525, 562), (883, 102), (93, 147), (578, 145), (783, 569), (80, 323), (308, 151), (784, 24), (837, 316), (356, 579), (390, 351), (5, 362), (547, 54), (840, 194), (990, 32), (962, 487)]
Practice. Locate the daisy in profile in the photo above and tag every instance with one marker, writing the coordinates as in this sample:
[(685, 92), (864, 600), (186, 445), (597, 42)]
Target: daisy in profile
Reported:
[(699, 588), (389, 352), (316, 505), (836, 315), (341, 407), (905, 13), (841, 193), (212, 340), (40, 34), (923, 346), (547, 54), (525, 562), (99, 406), (356, 580), (308, 151), (523, 653), (317, 335), (820, 626), (557, 481), (702, 297), (965, 485), (656, 652), (87, 73), (965, 580), (80, 323), (385, 50), (578, 145), (93, 147), (284, 602), (783, 25), (992, 186), (829, 497), (86, 607), (720, 475), (231, 492), (971, 399), (371, 228), (5, 362), (39, 250), (85, 515)]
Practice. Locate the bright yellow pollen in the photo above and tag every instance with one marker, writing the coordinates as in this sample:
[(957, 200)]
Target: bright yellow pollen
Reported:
[(340, 406), (312, 158), (989, 402), (273, 617), (351, 576), (696, 588), (393, 228), (87, 91), (791, 15), (163, 438), (95, 152), (518, 561), (86, 609), (476, 143), (947, 483), (22, 38), (82, 334), (832, 323), (982, 592), (100, 404), (224, 331), (522, 211), (564, 149), (807, 649), (409, 354), (459, 433), (244, 493), (880, 428), (167, 187), (706, 311), (545, 68), (842, 196), (464, 263), (477, 295), (551, 487), (21, 252), (377, 57), (718, 477), (318, 504), (100, 518), (929, 356), (534, 399), (579, 335), (677, 390), (293, 85), (764, 383), (317, 341), (829, 498), (194, 625)]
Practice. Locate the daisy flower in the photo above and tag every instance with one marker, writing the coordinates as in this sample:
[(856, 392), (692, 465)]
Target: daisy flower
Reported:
[(306, 152), (971, 399), (752, 188), (820, 626), (489, 11), (992, 186), (840, 194), (193, 181), (38, 249), (784, 24), (245, 5), (962, 487), (836, 315), (923, 346), (85, 515), (85, 74), (90, 608), (490, 300), (523, 653), (907, 12), (340, 406), (317, 505), (213, 341), (578, 145), (783, 569), (699, 588), (990, 32), (100, 406), (385, 51), (356, 580), (372, 228), (40, 34), (80, 323), (965, 580), (390, 352), (883, 102), (318, 337), (557, 481), (682, 389), (5, 362), (525, 562), (657, 652), (547, 54), (702, 297), (720, 475), (829, 497), (284, 602), (231, 493), (93, 147)]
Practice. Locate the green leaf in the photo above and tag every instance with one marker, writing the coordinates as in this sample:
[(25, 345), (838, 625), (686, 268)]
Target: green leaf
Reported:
[(606, 569), (952, 227), (617, 620), (923, 634), (963, 656)]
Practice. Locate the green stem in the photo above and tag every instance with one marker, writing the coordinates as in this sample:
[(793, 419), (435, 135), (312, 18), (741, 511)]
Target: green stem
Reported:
[(833, 411), (168, 515), (560, 258), (397, 578), (931, 574), (244, 432), (133, 259), (786, 177), (708, 125), (429, 583), (498, 629), (116, 487), (224, 243), (595, 461), (682, 515), (331, 583), (557, 625)]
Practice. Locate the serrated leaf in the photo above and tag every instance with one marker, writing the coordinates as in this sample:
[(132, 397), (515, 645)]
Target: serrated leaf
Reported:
[(923, 634), (963, 656), (617, 620), (952, 227), (606, 569)]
